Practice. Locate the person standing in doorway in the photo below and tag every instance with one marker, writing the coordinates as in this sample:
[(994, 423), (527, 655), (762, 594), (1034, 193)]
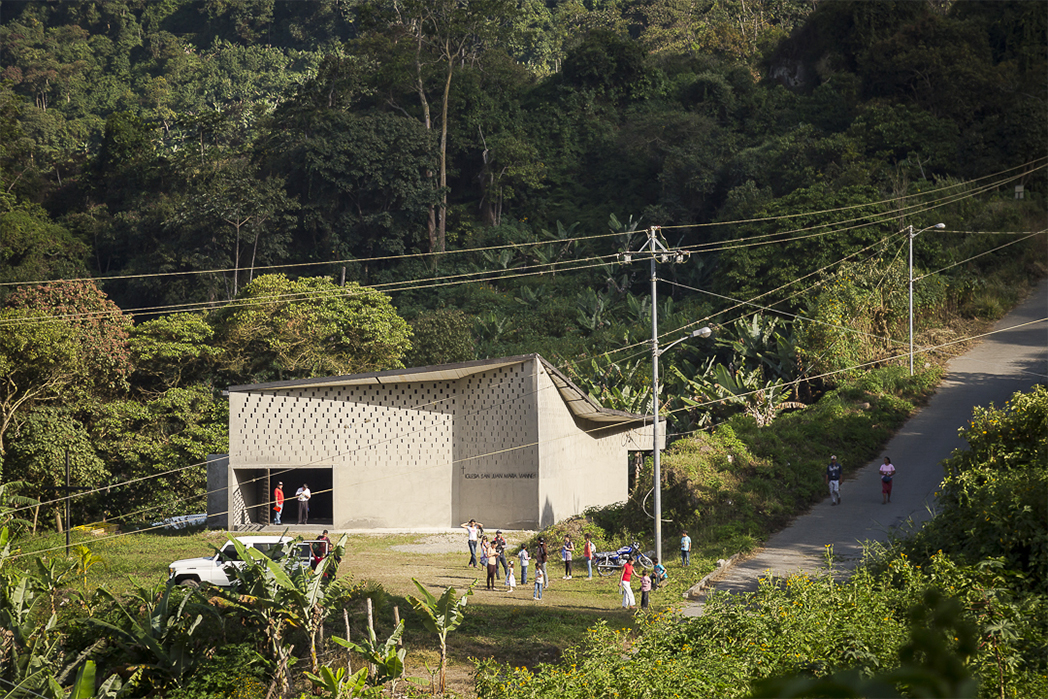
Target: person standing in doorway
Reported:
[(685, 549), (887, 471), (303, 495), (278, 502), (833, 480), (628, 600), (473, 529)]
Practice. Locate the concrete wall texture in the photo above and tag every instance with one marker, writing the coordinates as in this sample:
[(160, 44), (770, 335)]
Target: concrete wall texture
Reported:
[(493, 440)]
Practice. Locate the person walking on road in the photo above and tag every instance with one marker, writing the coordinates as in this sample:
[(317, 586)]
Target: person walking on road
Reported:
[(887, 471), (833, 480), (303, 495), (278, 500), (473, 529)]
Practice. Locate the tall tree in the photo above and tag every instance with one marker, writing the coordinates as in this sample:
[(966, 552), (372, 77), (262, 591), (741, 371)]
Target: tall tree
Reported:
[(280, 329), (445, 35)]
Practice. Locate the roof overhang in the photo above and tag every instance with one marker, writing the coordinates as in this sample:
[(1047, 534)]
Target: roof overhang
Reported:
[(581, 404)]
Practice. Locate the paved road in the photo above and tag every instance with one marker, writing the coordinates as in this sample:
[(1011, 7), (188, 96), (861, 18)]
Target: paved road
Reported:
[(1014, 358)]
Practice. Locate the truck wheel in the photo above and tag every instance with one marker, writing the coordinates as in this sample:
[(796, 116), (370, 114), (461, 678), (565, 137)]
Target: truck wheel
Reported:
[(189, 582)]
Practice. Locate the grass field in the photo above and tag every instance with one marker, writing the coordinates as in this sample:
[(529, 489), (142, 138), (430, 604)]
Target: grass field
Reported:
[(509, 627)]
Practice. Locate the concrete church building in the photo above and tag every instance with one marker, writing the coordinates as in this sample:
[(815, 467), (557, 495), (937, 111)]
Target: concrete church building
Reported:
[(509, 442)]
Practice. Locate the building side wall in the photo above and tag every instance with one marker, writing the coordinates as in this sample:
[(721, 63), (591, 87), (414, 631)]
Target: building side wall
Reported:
[(584, 464), (389, 446), (496, 466)]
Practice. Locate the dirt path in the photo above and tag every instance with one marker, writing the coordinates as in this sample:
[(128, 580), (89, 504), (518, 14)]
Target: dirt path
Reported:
[(1013, 358)]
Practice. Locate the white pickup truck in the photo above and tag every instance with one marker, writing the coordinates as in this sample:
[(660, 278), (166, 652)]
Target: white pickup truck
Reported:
[(190, 572)]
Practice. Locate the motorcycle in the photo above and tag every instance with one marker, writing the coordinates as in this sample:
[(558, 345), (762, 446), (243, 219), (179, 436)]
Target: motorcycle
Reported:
[(608, 562)]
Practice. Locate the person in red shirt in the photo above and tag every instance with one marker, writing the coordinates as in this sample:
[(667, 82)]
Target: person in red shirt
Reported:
[(628, 600), (278, 499)]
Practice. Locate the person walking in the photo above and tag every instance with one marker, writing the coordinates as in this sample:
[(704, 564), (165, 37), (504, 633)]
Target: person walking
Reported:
[(278, 502), (645, 590), (566, 550), (685, 549), (525, 558), (473, 529), (541, 556), (887, 471), (588, 552), (628, 600), (833, 480), (303, 495)]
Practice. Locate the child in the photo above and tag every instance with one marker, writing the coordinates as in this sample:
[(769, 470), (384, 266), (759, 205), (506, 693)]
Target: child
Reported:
[(524, 558), (658, 575), (511, 580), (540, 582), (645, 589)]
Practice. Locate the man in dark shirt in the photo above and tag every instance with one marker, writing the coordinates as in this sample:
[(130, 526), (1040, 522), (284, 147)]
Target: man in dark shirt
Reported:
[(833, 479)]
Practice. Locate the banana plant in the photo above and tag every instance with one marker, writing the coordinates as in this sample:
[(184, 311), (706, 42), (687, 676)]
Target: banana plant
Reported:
[(158, 633), (337, 683), (592, 308), (387, 659), (441, 616), (748, 389), (278, 595)]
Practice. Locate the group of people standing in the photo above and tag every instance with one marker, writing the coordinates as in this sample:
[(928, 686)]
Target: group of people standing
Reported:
[(492, 554), (302, 495), (833, 480)]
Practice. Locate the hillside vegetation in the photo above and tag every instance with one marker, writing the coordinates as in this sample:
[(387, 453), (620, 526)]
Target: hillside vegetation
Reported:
[(203, 193)]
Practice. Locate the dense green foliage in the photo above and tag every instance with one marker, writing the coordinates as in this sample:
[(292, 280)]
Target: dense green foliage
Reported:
[(261, 190), (954, 611)]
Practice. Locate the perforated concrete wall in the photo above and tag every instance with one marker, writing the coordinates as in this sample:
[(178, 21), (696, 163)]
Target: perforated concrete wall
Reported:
[(389, 447), (496, 443), (496, 456)]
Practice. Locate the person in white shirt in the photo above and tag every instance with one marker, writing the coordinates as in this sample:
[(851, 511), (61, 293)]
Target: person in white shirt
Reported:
[(303, 495), (473, 529)]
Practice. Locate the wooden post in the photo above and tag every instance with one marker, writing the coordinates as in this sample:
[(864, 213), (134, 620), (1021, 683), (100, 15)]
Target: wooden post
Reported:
[(396, 623), (345, 618), (371, 628), (58, 519), (36, 514)]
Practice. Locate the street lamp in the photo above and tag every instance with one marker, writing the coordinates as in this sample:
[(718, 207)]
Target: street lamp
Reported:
[(912, 235), (655, 354)]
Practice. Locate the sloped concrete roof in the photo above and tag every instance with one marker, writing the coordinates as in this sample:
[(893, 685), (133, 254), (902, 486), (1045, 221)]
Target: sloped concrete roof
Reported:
[(578, 401)]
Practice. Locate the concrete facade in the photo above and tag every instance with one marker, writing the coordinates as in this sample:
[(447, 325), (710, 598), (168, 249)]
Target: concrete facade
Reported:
[(510, 442)]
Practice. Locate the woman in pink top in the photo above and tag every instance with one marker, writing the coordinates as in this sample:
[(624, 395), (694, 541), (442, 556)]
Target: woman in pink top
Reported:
[(887, 473), (628, 600)]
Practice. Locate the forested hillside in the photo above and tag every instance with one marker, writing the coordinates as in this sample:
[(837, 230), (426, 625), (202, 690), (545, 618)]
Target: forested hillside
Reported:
[(253, 190)]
